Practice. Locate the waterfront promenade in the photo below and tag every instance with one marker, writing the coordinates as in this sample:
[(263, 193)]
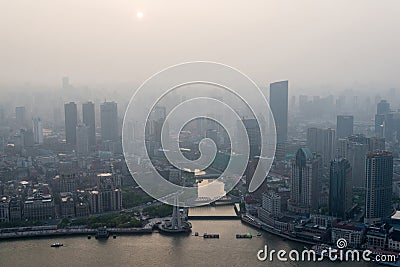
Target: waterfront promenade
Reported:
[(71, 232), (263, 226)]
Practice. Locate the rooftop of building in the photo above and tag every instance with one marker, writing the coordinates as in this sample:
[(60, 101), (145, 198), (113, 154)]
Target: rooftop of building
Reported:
[(307, 152), (104, 175), (379, 154), (351, 226), (286, 219), (38, 198)]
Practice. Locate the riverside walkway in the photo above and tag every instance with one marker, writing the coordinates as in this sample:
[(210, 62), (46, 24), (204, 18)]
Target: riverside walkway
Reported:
[(70, 232)]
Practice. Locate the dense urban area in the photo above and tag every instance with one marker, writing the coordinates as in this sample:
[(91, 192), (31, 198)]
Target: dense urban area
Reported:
[(335, 173)]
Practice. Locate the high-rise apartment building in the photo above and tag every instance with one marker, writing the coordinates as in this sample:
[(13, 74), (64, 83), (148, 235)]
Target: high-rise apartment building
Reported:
[(82, 139), (254, 134), (323, 142), (71, 121), (109, 121), (344, 126), (340, 189), (304, 182), (37, 131), (379, 177), (20, 117), (278, 101), (382, 109), (89, 119), (355, 148)]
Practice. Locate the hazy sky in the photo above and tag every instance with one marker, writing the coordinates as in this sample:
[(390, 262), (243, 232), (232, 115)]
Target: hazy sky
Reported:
[(309, 42)]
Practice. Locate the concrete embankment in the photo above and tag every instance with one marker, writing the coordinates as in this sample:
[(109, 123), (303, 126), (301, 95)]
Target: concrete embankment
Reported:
[(71, 232)]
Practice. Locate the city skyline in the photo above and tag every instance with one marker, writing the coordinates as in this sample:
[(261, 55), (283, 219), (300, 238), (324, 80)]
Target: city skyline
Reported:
[(199, 133)]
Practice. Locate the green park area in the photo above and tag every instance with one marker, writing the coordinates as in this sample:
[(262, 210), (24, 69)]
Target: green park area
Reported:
[(125, 220)]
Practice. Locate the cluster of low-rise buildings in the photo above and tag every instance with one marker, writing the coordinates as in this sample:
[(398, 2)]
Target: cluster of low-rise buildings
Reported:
[(42, 202)]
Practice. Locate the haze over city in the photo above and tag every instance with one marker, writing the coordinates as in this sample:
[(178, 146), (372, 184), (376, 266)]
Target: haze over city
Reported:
[(271, 137), (318, 45)]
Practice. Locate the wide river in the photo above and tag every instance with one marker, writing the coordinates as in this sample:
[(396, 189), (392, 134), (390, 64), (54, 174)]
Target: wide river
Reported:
[(156, 249)]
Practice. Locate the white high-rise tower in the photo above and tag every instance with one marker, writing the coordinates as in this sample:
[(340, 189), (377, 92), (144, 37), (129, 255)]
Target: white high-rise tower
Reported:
[(37, 130)]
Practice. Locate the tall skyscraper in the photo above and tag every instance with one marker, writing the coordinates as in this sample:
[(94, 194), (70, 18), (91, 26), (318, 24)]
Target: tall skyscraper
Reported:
[(379, 176), (254, 134), (391, 126), (340, 190), (278, 101), (383, 108), (71, 121), (344, 126), (37, 131), (355, 148), (89, 120), (155, 124), (323, 142), (304, 182), (109, 121), (27, 137), (20, 117), (82, 139)]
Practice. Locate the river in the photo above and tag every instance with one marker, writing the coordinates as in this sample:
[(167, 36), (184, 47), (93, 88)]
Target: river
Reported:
[(155, 249)]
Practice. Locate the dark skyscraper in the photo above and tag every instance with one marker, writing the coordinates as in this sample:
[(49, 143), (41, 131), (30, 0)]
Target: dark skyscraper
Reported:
[(90, 121), (382, 109), (109, 121), (82, 140), (253, 131), (20, 117), (379, 176), (278, 101), (340, 190), (71, 121), (344, 126)]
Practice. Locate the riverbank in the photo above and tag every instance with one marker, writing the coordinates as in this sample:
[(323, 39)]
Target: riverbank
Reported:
[(156, 249), (265, 227), (73, 232)]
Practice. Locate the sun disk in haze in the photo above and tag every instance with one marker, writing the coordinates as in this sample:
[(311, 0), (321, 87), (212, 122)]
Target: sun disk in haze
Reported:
[(139, 14)]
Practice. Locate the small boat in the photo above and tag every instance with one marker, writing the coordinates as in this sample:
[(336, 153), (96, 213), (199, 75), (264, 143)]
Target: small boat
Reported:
[(248, 235), (196, 234), (259, 234), (57, 245), (114, 236), (205, 235)]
